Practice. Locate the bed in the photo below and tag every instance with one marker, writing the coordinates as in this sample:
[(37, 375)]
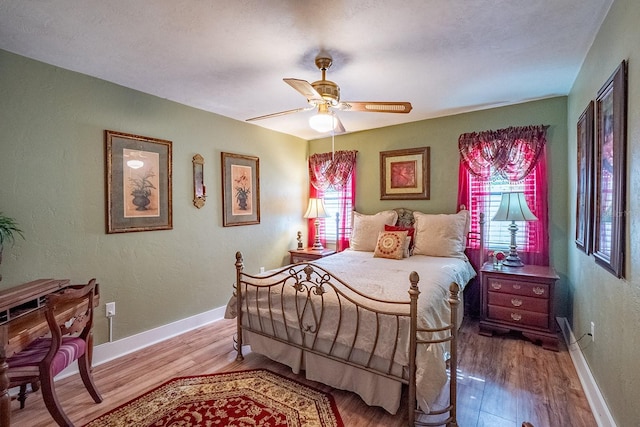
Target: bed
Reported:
[(370, 319)]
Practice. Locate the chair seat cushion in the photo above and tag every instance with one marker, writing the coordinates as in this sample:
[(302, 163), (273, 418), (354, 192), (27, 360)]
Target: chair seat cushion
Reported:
[(26, 363)]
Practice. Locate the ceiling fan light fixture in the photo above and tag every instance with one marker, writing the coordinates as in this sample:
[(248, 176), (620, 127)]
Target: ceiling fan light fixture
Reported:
[(323, 122)]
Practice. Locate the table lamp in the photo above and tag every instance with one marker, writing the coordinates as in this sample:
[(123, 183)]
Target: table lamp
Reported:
[(316, 210), (513, 207)]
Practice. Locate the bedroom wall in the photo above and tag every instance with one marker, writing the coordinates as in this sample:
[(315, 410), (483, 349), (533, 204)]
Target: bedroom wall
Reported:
[(441, 134), (52, 175), (613, 304)]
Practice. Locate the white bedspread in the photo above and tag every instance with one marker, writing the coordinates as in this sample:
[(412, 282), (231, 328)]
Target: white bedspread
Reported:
[(389, 280)]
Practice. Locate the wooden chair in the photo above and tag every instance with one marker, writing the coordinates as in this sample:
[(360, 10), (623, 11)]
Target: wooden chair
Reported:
[(69, 315)]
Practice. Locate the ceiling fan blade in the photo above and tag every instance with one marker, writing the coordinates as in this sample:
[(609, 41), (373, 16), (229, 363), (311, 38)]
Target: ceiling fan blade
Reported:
[(281, 113), (305, 88), (375, 107), (339, 126)]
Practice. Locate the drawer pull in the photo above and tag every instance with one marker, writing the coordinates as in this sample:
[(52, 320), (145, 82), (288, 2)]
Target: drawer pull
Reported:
[(538, 290), (516, 316), (516, 286), (496, 286), (516, 302)]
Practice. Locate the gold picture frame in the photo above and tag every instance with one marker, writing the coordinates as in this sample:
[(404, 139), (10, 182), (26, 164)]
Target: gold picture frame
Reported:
[(240, 190), (138, 183), (405, 174)]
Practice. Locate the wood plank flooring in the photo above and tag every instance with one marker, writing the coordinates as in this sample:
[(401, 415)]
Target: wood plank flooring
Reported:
[(503, 381)]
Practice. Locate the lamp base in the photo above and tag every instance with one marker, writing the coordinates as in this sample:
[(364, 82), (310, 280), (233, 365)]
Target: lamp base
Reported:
[(317, 246), (512, 261)]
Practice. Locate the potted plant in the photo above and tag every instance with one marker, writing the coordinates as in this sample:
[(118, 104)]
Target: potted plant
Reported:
[(8, 229), (242, 191), (141, 186)]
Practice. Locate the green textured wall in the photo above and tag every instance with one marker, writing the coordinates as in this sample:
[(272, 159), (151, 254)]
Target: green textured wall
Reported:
[(612, 304), (441, 134), (52, 175)]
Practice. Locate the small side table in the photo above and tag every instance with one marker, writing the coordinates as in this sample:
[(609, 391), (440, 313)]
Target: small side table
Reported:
[(308, 254), (520, 299)]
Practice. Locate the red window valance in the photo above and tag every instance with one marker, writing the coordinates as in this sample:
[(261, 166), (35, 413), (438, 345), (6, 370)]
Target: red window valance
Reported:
[(331, 169), (512, 152)]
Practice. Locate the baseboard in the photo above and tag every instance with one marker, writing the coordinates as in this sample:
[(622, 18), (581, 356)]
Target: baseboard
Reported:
[(112, 350), (596, 400)]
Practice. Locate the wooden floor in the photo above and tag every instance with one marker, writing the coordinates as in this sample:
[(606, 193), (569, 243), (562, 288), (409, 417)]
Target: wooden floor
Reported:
[(503, 381)]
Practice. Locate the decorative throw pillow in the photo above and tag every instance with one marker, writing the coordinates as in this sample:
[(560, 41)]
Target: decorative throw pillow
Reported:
[(441, 235), (365, 229), (390, 244), (410, 232)]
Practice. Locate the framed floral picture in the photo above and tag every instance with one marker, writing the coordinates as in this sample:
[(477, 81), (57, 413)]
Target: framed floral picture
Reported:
[(584, 195), (240, 190), (138, 181), (610, 173), (404, 174)]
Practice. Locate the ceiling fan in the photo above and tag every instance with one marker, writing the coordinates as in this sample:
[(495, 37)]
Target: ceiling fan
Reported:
[(325, 96)]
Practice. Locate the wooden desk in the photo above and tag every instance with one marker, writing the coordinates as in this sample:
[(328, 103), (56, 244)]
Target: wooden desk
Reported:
[(22, 320)]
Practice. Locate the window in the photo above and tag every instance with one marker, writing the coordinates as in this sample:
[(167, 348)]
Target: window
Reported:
[(493, 162), (336, 203), (488, 194), (332, 177)]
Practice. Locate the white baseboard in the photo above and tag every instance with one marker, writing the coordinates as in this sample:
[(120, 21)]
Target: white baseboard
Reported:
[(112, 350), (596, 401)]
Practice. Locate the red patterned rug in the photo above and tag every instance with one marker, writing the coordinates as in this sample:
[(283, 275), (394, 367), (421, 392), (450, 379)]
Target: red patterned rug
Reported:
[(242, 399)]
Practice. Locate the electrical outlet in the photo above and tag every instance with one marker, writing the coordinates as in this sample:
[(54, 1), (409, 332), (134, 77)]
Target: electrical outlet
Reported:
[(261, 269), (110, 309), (593, 331)]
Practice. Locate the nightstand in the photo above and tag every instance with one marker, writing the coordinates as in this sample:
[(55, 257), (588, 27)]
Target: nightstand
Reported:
[(308, 254), (519, 299)]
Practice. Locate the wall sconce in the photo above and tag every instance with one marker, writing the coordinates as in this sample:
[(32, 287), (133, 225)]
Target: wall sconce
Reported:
[(199, 190)]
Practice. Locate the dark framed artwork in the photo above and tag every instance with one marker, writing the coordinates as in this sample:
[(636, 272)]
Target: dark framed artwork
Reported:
[(584, 195), (610, 173), (405, 174), (240, 190), (138, 181)]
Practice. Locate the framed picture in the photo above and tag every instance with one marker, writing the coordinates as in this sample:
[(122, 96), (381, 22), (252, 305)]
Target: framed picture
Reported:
[(404, 174), (240, 190), (138, 180), (610, 173), (584, 196)]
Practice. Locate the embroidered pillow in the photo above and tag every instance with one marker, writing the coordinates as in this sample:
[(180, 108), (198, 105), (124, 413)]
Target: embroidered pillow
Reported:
[(410, 232), (390, 244), (365, 229), (442, 235)]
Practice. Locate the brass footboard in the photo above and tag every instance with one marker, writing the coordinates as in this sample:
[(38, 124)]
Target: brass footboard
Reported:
[(306, 307)]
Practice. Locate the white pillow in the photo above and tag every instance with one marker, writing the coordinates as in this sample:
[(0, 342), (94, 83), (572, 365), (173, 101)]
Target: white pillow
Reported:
[(365, 229), (442, 235)]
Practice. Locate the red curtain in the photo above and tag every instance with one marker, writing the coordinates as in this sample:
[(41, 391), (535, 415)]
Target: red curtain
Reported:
[(474, 188), (337, 171)]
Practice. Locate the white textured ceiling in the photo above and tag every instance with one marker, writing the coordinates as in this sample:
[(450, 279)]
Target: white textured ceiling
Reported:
[(230, 56)]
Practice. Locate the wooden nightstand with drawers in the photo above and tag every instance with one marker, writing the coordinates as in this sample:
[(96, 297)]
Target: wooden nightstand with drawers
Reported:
[(308, 254), (519, 299)]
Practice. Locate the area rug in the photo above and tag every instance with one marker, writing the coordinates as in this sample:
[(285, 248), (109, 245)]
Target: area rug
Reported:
[(247, 398)]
